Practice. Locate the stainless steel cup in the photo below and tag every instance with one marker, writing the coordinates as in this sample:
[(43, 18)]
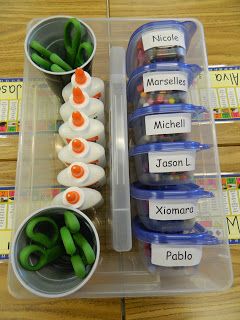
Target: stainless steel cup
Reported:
[(50, 33), (56, 279)]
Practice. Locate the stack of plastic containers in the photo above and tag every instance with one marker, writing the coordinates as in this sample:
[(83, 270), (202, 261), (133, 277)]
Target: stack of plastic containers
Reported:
[(166, 199), (83, 127)]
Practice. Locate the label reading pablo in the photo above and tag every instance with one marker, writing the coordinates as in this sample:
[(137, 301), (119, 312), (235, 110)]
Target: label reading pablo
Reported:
[(168, 123), (175, 256), (171, 161), (163, 38), (168, 210), (165, 81)]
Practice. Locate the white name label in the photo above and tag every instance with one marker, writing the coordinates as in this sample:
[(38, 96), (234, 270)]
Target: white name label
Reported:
[(169, 210), (171, 161), (175, 256), (168, 123), (165, 81), (163, 38)]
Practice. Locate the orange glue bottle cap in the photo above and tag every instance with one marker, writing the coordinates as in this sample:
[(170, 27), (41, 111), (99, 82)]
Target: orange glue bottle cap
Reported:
[(77, 119), (80, 76), (77, 171), (78, 96), (77, 146), (72, 197)]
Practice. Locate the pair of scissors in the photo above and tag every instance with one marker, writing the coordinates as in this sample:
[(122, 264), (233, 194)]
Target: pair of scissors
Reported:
[(46, 249), (76, 245), (77, 50)]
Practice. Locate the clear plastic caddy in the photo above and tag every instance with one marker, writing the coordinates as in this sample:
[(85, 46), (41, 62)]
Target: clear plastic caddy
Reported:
[(126, 267)]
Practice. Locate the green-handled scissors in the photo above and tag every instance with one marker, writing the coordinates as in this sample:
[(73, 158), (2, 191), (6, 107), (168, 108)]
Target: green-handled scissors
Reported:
[(77, 50), (48, 60), (42, 256), (45, 248)]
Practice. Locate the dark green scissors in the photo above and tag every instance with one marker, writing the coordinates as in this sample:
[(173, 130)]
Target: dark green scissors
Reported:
[(47, 249), (44, 248), (77, 49)]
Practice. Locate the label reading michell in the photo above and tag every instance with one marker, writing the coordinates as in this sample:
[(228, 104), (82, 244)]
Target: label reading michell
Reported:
[(168, 123)]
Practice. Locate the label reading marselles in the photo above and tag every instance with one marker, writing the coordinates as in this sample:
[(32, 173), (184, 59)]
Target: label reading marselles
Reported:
[(175, 161), (165, 81), (168, 210), (168, 123), (174, 256), (163, 38)]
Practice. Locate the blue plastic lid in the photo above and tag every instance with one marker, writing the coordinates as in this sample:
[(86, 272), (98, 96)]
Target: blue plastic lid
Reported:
[(167, 146), (198, 235), (192, 70), (187, 27), (165, 108), (181, 191)]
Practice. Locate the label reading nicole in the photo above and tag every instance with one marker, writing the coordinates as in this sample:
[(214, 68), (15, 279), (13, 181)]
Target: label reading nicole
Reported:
[(170, 210), (165, 81), (175, 256), (176, 161), (168, 123), (163, 38)]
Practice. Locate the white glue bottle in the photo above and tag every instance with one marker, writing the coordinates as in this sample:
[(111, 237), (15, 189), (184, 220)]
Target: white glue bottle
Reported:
[(80, 101), (80, 174), (80, 125), (80, 198), (92, 85), (84, 151)]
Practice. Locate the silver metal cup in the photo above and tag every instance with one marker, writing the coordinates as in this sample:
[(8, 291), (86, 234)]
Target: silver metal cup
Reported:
[(50, 33), (56, 279)]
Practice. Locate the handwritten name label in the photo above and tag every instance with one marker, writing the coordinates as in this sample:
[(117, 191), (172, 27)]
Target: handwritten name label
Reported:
[(10, 89), (225, 78), (170, 210), (165, 81), (163, 38), (171, 161), (175, 256), (168, 123)]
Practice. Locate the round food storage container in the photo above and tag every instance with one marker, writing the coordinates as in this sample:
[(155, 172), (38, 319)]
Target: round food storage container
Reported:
[(166, 163), (163, 123), (168, 209), (159, 41), (160, 83), (177, 254)]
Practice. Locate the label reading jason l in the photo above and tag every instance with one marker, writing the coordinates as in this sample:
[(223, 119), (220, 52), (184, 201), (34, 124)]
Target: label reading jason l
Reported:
[(175, 256), (176, 161), (168, 123), (163, 38), (165, 81), (164, 210)]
